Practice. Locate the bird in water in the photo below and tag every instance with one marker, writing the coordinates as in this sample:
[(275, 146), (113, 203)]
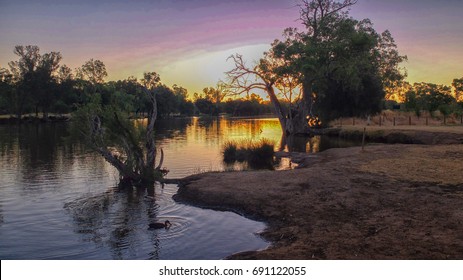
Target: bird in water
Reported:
[(165, 225)]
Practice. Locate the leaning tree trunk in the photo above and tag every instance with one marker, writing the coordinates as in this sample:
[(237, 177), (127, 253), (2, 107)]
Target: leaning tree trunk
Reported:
[(151, 152), (150, 144), (295, 122), (135, 158), (278, 109)]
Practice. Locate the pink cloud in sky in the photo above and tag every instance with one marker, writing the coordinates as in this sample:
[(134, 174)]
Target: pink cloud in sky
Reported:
[(152, 35)]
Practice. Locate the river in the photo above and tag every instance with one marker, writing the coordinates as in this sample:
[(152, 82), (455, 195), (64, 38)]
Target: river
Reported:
[(59, 201)]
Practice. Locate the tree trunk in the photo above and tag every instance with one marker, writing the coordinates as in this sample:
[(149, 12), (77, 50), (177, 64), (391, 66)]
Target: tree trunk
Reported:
[(278, 109), (120, 166), (135, 167), (294, 122), (297, 123), (150, 144)]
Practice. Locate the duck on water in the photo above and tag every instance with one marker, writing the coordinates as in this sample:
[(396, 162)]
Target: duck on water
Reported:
[(165, 225)]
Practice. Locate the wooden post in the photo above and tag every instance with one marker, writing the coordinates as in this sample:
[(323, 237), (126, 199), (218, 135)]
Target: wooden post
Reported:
[(409, 120), (363, 138), (394, 121)]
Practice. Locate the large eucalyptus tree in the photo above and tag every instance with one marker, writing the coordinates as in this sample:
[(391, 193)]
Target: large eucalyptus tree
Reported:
[(335, 67)]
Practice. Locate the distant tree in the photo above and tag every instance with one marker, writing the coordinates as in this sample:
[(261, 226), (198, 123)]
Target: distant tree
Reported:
[(180, 92), (29, 59), (150, 80), (205, 106), (397, 91), (167, 101), (47, 82), (248, 106), (23, 71), (89, 79), (185, 106), (35, 77), (433, 96), (213, 95), (67, 98), (217, 95), (411, 102), (64, 74), (206, 102), (458, 88), (136, 98), (93, 71), (6, 91)]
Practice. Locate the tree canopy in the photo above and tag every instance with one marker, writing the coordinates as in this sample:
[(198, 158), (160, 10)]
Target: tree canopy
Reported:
[(458, 87), (429, 97), (336, 67)]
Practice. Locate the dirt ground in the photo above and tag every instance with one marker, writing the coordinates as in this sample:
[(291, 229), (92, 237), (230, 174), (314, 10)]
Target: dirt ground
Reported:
[(385, 202)]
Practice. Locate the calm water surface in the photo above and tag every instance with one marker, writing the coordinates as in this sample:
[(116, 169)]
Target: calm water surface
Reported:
[(60, 202)]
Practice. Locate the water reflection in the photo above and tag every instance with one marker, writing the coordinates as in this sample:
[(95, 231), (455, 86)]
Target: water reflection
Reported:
[(316, 143), (117, 219), (60, 202), (196, 144)]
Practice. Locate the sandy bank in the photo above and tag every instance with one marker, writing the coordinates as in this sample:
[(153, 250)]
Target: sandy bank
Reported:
[(387, 202)]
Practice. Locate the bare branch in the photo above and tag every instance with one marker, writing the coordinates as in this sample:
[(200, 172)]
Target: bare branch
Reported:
[(313, 12), (243, 79)]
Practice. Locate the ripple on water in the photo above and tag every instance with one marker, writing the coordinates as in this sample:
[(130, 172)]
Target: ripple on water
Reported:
[(179, 227), (58, 202)]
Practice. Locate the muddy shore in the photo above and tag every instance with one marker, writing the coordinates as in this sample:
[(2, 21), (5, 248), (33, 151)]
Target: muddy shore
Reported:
[(385, 202)]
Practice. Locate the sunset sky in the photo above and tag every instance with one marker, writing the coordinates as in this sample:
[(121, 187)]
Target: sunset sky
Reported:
[(187, 41)]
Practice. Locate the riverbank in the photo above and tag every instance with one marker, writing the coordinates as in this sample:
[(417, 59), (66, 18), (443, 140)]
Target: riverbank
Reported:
[(428, 135), (34, 119), (385, 202)]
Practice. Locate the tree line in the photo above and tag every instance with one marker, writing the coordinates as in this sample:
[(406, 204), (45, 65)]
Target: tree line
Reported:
[(335, 66), (428, 97), (39, 83)]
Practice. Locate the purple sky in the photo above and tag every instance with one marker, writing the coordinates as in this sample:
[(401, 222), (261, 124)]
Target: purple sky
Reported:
[(188, 41)]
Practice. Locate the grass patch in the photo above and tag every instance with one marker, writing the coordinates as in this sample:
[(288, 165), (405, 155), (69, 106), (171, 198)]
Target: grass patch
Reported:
[(258, 154)]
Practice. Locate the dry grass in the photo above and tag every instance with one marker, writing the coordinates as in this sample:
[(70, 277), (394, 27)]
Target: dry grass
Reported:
[(437, 129), (439, 165), (398, 119)]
